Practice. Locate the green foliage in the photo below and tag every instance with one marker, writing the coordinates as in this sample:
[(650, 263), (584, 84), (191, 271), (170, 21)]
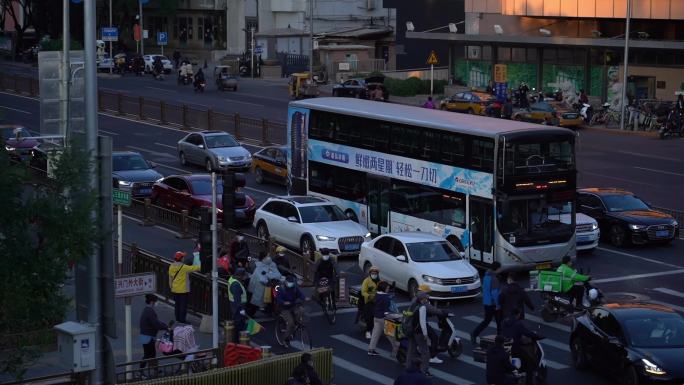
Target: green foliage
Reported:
[(413, 86), (45, 225), (56, 45)]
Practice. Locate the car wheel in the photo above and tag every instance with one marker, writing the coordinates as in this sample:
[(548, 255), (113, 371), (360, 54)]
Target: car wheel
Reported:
[(366, 269), (262, 231), (579, 356), (335, 94), (412, 289), (517, 118), (470, 111), (630, 376), (183, 161), (308, 247), (258, 175), (208, 166), (617, 236)]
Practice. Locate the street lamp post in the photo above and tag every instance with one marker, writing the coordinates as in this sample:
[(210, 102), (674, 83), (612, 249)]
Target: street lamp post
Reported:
[(251, 54), (111, 56), (66, 70), (142, 30), (311, 41), (625, 66)]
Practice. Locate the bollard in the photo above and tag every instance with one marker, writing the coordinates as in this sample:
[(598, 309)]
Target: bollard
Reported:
[(210, 119), (265, 351), (184, 117), (342, 288), (244, 338), (119, 103), (237, 126), (147, 213), (264, 132), (162, 112), (229, 330), (185, 225), (141, 108)]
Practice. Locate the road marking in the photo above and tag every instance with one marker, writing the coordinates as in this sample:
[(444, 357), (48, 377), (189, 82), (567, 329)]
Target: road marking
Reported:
[(388, 356), (616, 178), (166, 145), (108, 132), (360, 370), (546, 341), (669, 291), (659, 171), (649, 156), (16, 109), (114, 90), (162, 89), (637, 276), (247, 103), (155, 226), (155, 153), (641, 258)]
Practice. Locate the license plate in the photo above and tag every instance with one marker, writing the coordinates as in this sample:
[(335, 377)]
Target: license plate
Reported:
[(351, 247), (583, 238), (458, 289), (662, 233), (144, 191), (543, 266)]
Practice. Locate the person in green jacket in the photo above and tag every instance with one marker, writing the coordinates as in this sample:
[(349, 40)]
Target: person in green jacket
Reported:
[(569, 277)]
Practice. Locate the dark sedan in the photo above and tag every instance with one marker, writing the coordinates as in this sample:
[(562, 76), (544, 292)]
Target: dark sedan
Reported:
[(18, 141), (130, 171), (625, 219), (190, 192), (635, 343), (363, 88)]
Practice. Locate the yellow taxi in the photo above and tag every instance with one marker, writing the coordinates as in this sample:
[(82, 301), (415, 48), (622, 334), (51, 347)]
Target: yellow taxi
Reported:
[(547, 113), (270, 164), (471, 102)]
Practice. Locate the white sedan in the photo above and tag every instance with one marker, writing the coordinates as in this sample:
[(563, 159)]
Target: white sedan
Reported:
[(411, 259), (149, 63)]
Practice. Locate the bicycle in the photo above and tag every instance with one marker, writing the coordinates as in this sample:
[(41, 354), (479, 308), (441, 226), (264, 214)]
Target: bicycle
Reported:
[(300, 333), (326, 300)]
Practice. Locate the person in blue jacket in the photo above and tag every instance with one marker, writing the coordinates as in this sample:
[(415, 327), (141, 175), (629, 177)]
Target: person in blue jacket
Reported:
[(490, 300)]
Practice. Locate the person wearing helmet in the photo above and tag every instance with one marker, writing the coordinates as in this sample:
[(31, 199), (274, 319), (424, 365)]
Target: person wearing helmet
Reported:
[(282, 261), (368, 289), (179, 282), (570, 280), (290, 301)]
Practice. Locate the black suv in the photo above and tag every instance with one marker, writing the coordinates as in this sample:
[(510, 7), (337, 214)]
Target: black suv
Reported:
[(625, 219)]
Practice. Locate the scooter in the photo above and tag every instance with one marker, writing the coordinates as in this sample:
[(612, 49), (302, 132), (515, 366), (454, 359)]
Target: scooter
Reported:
[(446, 341), (536, 350), (674, 125), (586, 111), (560, 305), (200, 86)]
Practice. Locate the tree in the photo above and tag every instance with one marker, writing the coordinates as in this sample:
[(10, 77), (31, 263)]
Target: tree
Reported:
[(20, 13), (45, 228)]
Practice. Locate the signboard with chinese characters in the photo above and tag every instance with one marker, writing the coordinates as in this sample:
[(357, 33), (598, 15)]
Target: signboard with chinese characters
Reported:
[(418, 171), (121, 197), (135, 284), (500, 73)]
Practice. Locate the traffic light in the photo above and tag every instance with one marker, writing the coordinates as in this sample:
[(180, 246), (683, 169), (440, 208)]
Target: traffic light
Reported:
[(232, 197), (205, 239)]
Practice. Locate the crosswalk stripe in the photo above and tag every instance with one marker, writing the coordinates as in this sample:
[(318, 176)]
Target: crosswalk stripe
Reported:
[(669, 291), (546, 341), (387, 355)]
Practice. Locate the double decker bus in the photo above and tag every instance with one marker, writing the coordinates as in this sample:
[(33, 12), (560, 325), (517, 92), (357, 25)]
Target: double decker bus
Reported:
[(496, 189)]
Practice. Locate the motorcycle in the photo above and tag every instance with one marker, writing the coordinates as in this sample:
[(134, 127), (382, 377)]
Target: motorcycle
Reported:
[(674, 125), (557, 305), (447, 340), (533, 350), (200, 86), (586, 111), (184, 79)]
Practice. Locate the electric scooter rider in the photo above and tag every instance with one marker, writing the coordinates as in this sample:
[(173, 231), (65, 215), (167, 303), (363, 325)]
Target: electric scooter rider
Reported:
[(157, 67), (515, 329), (570, 278), (199, 79)]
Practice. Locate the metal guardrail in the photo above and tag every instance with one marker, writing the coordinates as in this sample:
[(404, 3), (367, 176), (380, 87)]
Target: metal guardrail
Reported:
[(168, 366), (182, 116), (274, 370)]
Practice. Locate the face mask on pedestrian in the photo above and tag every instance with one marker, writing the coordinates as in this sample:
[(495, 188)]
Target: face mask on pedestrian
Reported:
[(326, 257), (240, 238), (290, 284), (267, 260), (374, 276)]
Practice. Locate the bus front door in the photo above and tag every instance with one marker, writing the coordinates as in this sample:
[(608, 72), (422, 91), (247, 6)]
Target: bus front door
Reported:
[(378, 205), (481, 231)]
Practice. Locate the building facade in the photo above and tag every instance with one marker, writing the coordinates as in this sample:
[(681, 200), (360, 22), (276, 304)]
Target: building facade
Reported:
[(570, 45)]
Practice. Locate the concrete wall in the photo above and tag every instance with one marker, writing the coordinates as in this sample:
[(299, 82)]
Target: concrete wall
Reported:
[(641, 9), (673, 78)]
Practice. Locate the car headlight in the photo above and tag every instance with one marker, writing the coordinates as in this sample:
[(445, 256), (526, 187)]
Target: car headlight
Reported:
[(594, 226), (249, 156), (637, 227), (222, 158), (325, 238), (368, 235), (125, 183), (9, 148), (476, 277), (652, 368), (431, 279)]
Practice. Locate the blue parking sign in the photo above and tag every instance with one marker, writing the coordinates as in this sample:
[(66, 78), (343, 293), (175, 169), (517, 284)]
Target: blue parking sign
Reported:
[(162, 38), (110, 34)]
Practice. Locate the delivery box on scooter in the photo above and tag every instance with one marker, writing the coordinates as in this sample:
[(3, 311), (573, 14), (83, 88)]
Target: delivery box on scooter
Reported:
[(549, 281)]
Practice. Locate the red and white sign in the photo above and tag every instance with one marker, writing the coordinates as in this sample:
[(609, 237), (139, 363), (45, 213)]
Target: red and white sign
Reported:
[(135, 284)]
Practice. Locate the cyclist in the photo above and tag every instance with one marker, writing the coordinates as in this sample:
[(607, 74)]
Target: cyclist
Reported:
[(290, 300), (325, 268)]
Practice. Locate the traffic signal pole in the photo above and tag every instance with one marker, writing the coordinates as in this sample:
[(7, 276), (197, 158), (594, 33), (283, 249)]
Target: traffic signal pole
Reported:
[(214, 269)]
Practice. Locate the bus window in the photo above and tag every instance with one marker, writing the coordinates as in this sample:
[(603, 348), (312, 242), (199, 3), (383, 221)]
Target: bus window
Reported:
[(482, 156), (453, 149), (428, 203), (337, 182)]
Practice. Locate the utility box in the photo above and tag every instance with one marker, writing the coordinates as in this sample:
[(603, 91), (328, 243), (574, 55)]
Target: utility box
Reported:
[(76, 346)]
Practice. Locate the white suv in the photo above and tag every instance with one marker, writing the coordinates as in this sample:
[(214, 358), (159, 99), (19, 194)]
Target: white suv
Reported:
[(587, 232), (310, 224)]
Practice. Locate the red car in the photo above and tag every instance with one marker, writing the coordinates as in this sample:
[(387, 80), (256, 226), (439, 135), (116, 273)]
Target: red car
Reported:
[(190, 192)]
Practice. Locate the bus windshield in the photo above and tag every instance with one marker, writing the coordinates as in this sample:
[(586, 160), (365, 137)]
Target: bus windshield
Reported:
[(525, 222), (535, 157)]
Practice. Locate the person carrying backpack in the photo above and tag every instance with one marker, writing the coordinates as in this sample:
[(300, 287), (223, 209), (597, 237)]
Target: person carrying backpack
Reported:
[(416, 329)]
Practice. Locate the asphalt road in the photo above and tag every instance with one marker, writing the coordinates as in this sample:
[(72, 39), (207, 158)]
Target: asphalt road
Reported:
[(643, 273)]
